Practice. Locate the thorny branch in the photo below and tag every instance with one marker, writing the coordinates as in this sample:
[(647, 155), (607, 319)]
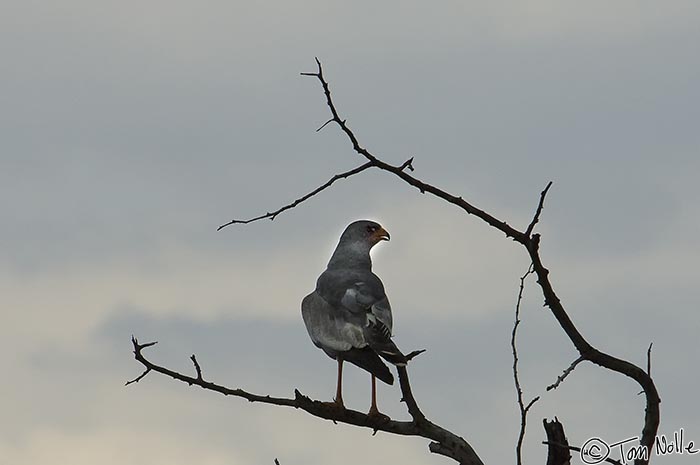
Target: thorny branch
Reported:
[(524, 409), (566, 373), (448, 443), (329, 183)]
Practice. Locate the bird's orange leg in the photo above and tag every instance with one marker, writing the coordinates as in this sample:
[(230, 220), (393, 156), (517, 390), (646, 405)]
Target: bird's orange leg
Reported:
[(338, 401), (373, 410)]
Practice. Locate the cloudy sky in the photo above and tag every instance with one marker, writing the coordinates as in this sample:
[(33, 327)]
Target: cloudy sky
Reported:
[(131, 130)]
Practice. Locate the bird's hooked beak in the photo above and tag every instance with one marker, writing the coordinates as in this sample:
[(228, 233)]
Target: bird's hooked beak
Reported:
[(381, 235)]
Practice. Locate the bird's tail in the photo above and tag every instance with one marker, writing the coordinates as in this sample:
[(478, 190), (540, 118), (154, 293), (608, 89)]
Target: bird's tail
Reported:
[(367, 359), (389, 352)]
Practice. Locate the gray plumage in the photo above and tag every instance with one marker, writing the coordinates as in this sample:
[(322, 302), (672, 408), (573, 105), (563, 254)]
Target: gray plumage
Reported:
[(348, 315)]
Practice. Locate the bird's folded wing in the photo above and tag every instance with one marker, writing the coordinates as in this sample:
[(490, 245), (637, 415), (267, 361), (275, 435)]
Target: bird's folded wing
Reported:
[(331, 328), (378, 321), (368, 297)]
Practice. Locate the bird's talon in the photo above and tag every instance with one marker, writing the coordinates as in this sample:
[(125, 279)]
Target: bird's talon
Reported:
[(375, 415)]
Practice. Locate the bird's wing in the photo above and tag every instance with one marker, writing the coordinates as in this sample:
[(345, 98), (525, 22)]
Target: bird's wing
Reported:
[(359, 298), (330, 328)]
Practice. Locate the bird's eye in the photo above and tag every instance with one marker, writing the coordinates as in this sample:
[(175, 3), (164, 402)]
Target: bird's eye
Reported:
[(371, 228)]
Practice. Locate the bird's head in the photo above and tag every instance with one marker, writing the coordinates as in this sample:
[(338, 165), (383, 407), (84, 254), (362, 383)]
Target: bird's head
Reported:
[(364, 232)]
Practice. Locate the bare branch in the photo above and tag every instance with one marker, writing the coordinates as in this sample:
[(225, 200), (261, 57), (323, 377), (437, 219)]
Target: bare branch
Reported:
[(398, 171), (524, 409), (648, 364), (137, 350), (454, 446), (139, 377), (273, 215), (196, 367), (566, 373), (538, 212), (324, 125)]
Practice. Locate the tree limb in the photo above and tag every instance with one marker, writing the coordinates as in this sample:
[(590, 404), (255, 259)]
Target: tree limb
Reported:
[(524, 409), (451, 445)]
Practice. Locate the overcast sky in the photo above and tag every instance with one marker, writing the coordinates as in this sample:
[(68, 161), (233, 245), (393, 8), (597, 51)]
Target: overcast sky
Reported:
[(131, 130)]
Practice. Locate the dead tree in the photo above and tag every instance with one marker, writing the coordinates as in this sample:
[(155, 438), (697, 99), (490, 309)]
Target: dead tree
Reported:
[(443, 441)]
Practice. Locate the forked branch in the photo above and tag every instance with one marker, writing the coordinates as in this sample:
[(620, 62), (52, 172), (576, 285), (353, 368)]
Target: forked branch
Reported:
[(448, 443)]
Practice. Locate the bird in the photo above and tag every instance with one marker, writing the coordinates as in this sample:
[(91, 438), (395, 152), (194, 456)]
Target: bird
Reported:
[(348, 314)]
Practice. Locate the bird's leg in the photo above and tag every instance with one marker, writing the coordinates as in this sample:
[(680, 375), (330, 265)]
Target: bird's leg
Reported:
[(373, 410), (339, 391)]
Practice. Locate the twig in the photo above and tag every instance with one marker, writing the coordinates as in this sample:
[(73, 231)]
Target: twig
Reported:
[(538, 212), (273, 215), (648, 364), (566, 373), (137, 350), (458, 448), (524, 409), (197, 368), (139, 377)]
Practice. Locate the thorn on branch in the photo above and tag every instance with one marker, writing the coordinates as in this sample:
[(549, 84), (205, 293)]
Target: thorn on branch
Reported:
[(407, 164), (197, 367)]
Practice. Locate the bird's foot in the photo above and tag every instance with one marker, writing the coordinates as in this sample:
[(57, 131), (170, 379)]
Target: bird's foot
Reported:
[(375, 415)]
